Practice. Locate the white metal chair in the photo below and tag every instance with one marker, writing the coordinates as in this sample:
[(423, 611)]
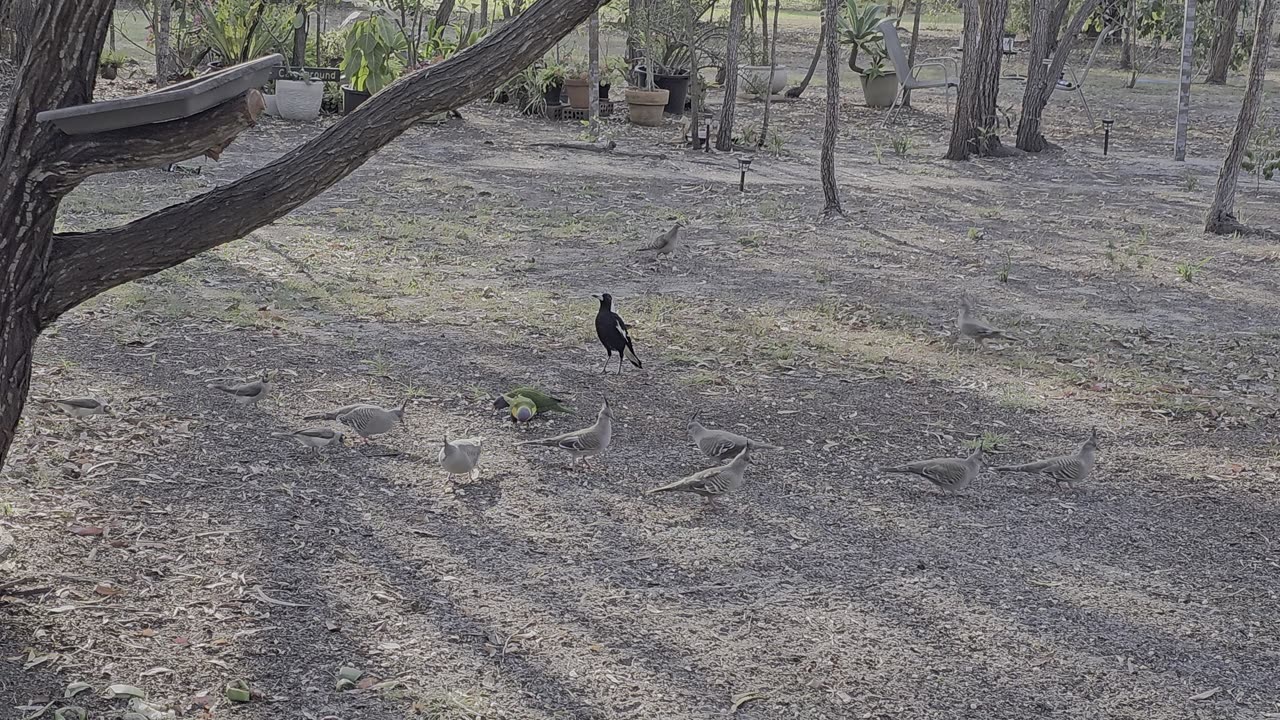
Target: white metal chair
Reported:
[(909, 75)]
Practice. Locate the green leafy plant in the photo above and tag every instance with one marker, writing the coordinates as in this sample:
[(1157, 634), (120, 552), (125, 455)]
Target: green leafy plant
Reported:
[(237, 31), (858, 29), (1188, 269), (901, 145), (1002, 274), (1262, 157), (371, 61), (112, 60)]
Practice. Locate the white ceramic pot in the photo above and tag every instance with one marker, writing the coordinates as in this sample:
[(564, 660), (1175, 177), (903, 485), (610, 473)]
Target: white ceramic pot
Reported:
[(298, 99), (272, 110), (755, 77)]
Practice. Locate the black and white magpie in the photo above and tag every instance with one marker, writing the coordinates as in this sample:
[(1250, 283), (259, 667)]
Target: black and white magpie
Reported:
[(612, 331)]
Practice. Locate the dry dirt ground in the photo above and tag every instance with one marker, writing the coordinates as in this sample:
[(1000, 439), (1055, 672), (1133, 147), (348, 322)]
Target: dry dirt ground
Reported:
[(179, 547)]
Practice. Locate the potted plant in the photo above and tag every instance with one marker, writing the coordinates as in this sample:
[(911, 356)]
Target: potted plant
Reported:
[(755, 75), (298, 96), (371, 61), (858, 29), (552, 77), (577, 84), (109, 64), (645, 101)]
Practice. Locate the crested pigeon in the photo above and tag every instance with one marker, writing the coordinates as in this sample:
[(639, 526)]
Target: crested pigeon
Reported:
[(1064, 469), (713, 482), (976, 329), (314, 438), (460, 457), (370, 420), (665, 244), (721, 444), (248, 393), (951, 475), (584, 443)]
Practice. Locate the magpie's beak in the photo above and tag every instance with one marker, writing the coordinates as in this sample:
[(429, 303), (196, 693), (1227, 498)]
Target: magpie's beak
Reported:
[(595, 296)]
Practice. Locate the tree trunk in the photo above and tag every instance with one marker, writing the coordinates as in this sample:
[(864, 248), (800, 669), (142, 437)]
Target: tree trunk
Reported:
[(593, 76), (974, 127), (1221, 218), (484, 13), (831, 120), (443, 13), (1130, 37), (911, 53), (796, 91), (1042, 80), (773, 62), (1225, 13), (764, 28), (165, 67), (47, 274), (724, 134), (1184, 87), (299, 58)]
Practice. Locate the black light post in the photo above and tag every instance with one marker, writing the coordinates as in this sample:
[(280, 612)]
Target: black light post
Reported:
[(1106, 135)]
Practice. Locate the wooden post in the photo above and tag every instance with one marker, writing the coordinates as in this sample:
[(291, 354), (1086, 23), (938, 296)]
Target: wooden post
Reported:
[(911, 54), (773, 63), (593, 76), (1184, 87)]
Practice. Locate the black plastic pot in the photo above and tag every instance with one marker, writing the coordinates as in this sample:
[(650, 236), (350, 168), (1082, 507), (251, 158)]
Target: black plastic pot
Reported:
[(678, 87), (108, 72), (553, 93), (604, 91), (351, 99)]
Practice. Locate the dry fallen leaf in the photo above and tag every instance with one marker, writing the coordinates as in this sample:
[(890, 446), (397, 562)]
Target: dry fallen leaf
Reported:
[(744, 698), (86, 530), (1205, 695)]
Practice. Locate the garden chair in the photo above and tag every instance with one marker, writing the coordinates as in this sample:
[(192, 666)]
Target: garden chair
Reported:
[(908, 75)]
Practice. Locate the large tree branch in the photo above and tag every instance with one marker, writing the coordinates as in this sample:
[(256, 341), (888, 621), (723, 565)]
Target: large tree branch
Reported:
[(209, 132), (85, 264), (1063, 47)]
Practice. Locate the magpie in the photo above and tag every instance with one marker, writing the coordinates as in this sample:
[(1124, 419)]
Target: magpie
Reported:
[(612, 331)]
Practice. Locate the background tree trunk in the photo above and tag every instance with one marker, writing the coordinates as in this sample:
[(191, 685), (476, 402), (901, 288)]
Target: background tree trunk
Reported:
[(911, 53), (48, 274), (443, 13), (299, 57), (773, 61), (1221, 218), (796, 91), (1225, 13), (1042, 80), (724, 134), (831, 120), (165, 66), (593, 76), (1184, 86), (1130, 36), (973, 129)]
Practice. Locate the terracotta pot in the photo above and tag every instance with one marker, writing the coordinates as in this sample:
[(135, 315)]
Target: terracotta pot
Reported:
[(880, 91), (579, 97), (644, 107)]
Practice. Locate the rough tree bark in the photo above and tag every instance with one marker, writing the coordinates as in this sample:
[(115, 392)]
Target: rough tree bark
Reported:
[(1225, 13), (1042, 80), (48, 274), (796, 91), (299, 56), (911, 53), (773, 66), (724, 133), (1129, 38), (443, 13), (1184, 85), (1221, 218), (973, 129), (165, 65), (593, 76), (831, 121)]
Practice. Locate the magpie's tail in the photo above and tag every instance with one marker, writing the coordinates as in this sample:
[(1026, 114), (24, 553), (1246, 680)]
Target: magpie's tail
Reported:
[(630, 355)]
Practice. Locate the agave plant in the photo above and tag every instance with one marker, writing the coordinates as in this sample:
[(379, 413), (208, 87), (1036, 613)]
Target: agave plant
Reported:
[(858, 30)]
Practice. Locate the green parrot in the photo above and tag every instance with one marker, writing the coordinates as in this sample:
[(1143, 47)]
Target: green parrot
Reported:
[(522, 408), (541, 400)]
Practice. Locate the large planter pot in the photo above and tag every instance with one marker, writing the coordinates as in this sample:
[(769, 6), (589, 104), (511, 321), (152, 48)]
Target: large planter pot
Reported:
[(299, 99), (644, 107), (579, 91), (678, 87), (880, 91), (351, 99), (552, 95), (755, 77)]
